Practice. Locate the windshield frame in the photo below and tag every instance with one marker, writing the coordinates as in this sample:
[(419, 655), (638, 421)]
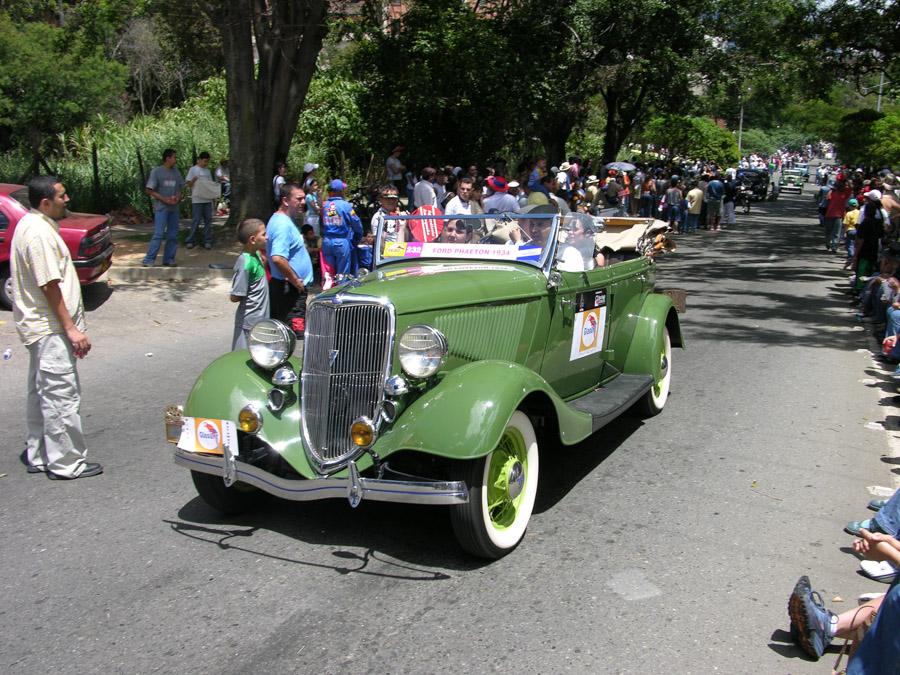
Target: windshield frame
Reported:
[(544, 263)]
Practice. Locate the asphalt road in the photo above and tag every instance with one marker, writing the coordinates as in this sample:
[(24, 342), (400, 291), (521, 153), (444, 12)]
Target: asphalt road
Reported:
[(669, 545)]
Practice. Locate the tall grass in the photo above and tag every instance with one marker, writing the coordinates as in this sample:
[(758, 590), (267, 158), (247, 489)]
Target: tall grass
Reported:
[(198, 125)]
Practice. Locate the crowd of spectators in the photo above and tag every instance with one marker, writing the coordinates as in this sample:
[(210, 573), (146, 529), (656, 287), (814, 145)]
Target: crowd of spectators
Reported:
[(861, 210)]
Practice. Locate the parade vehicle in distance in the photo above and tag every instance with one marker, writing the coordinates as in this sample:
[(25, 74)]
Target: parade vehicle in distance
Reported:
[(757, 180), (475, 352), (792, 179), (86, 235), (803, 168)]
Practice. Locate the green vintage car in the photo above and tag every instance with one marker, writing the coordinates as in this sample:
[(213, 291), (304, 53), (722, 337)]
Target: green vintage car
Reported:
[(792, 179), (476, 350)]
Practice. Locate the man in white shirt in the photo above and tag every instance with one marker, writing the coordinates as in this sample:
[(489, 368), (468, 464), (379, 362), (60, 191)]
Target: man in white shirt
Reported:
[(462, 204), (201, 208), (424, 194), (500, 200), (49, 316)]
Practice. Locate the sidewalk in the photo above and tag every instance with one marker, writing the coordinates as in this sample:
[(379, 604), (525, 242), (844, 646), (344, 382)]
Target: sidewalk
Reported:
[(131, 242)]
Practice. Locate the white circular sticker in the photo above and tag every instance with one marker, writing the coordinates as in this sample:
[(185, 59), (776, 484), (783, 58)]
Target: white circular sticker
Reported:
[(208, 435)]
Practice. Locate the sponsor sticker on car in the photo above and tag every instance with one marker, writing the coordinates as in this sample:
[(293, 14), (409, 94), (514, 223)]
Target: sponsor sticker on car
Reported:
[(207, 436), (590, 325)]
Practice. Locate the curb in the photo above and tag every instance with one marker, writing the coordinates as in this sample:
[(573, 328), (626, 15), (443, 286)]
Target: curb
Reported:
[(131, 274)]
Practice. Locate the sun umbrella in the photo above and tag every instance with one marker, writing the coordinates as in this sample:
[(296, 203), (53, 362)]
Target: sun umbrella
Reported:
[(621, 166)]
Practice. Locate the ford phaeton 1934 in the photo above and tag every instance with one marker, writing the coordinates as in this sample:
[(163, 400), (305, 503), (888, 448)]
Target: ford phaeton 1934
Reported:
[(476, 350)]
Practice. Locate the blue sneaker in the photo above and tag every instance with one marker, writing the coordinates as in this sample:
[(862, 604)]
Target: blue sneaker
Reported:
[(869, 524), (811, 619)]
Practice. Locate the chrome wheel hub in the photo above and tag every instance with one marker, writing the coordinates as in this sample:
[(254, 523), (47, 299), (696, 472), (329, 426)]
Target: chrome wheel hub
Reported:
[(515, 480)]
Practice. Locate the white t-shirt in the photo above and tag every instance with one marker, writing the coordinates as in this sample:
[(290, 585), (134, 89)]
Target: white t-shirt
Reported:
[(200, 174), (457, 207), (277, 182)]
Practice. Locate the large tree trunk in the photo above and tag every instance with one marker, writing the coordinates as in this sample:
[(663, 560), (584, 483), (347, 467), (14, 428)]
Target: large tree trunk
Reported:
[(554, 135), (624, 109), (264, 101)]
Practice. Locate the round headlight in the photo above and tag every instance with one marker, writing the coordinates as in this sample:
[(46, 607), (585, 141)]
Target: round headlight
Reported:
[(421, 350), (271, 343)]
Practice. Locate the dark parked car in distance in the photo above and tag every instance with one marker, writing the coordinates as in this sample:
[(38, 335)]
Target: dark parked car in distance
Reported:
[(87, 235)]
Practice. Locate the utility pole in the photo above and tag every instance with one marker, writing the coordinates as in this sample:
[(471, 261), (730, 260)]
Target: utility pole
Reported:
[(741, 131), (880, 87)]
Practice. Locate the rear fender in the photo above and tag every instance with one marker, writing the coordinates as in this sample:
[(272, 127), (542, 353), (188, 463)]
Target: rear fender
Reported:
[(657, 313), (465, 415)]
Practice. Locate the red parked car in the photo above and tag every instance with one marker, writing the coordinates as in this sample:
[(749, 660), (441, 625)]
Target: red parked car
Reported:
[(87, 236)]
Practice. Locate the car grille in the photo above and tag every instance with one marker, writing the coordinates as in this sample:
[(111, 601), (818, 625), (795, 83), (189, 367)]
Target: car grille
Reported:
[(345, 363)]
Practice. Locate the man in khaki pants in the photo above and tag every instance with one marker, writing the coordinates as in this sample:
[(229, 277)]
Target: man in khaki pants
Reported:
[(49, 316)]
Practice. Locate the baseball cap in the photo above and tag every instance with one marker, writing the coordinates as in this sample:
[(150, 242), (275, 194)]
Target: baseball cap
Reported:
[(337, 185), (874, 195), (309, 166)]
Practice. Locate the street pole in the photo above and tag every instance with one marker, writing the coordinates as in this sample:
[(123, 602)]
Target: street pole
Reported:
[(880, 87), (741, 132)]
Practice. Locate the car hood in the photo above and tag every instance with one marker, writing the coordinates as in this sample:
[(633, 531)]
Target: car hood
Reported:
[(439, 285)]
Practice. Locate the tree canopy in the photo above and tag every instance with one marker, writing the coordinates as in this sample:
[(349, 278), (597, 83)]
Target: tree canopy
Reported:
[(49, 84)]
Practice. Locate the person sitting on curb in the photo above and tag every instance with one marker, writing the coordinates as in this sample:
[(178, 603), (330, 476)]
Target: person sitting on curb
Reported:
[(813, 626), (885, 523)]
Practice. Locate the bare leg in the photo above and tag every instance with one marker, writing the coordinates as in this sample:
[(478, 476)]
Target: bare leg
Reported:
[(851, 620)]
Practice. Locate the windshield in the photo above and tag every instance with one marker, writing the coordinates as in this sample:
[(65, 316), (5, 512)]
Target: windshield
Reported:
[(513, 237)]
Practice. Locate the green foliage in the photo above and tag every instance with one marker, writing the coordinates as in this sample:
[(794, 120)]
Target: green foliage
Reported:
[(331, 115), (694, 137), (854, 38), (856, 134), (50, 85), (817, 119), (429, 86), (884, 150)]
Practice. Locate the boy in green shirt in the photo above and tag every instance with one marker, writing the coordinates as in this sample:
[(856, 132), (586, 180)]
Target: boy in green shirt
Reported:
[(249, 286)]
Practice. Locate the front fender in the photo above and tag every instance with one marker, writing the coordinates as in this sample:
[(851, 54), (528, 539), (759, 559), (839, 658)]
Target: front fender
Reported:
[(657, 313), (231, 382), (464, 416)]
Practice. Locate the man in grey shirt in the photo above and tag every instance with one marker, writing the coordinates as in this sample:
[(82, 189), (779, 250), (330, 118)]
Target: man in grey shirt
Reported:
[(165, 186)]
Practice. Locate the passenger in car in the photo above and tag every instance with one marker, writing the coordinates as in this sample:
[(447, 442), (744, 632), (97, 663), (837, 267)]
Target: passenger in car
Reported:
[(456, 232)]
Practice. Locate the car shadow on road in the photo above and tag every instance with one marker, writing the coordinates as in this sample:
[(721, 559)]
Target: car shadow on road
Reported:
[(563, 468), (406, 540), (410, 542)]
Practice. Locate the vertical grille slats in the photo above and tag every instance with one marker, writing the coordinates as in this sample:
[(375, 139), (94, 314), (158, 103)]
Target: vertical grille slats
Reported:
[(338, 389)]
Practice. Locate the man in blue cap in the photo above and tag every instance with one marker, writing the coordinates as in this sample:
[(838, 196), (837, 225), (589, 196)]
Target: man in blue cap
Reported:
[(341, 229)]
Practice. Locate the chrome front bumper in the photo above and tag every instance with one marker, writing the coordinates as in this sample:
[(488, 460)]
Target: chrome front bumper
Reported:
[(354, 488)]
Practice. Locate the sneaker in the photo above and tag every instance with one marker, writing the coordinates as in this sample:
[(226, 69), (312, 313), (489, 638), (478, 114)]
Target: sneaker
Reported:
[(882, 571), (207, 246), (877, 504), (190, 244), (869, 524), (148, 264), (171, 264), (811, 619)]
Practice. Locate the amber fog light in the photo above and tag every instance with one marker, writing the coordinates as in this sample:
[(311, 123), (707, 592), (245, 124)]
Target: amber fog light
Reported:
[(362, 431), (249, 419)]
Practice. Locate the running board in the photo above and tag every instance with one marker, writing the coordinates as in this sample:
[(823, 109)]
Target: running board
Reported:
[(611, 400)]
